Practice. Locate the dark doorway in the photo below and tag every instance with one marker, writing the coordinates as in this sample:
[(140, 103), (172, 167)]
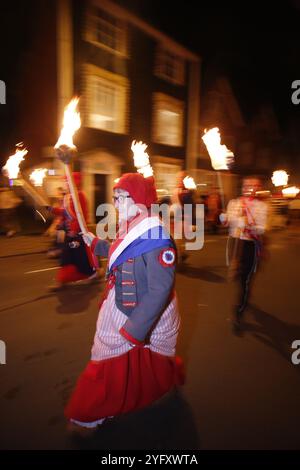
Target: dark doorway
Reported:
[(99, 192)]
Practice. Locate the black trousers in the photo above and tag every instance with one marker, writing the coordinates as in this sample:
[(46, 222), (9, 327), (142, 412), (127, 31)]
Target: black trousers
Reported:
[(74, 252), (247, 267)]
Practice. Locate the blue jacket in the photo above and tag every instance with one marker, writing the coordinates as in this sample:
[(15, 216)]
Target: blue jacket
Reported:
[(143, 287)]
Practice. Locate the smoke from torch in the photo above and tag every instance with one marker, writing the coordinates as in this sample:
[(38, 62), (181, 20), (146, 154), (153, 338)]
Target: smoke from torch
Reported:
[(141, 159)]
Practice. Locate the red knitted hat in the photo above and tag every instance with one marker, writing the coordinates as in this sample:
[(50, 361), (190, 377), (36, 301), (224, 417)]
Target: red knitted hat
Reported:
[(142, 190)]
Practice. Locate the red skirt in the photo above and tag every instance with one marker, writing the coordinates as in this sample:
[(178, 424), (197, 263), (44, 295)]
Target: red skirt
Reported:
[(124, 383), (70, 273)]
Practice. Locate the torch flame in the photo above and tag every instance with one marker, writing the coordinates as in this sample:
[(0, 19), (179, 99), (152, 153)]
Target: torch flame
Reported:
[(221, 157), (13, 163), (141, 158), (189, 182), (37, 176), (280, 178), (71, 123), (292, 191)]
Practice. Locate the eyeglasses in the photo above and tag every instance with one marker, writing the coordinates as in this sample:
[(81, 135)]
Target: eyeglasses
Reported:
[(121, 198)]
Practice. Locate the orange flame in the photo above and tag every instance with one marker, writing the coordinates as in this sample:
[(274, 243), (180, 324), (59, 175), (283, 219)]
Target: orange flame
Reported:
[(220, 155), (141, 158), (280, 178), (71, 123), (292, 191), (13, 162), (189, 182), (37, 176)]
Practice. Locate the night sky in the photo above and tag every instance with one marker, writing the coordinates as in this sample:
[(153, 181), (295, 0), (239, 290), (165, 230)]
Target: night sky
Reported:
[(256, 44)]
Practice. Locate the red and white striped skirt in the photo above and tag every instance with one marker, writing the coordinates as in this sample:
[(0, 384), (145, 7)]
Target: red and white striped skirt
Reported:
[(120, 377)]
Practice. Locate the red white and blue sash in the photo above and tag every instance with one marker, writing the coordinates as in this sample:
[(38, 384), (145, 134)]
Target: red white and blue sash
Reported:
[(144, 233)]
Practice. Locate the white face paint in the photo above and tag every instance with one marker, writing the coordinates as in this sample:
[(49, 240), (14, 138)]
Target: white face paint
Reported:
[(125, 205)]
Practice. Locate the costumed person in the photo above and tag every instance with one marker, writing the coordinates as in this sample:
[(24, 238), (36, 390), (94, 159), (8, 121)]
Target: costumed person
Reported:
[(181, 197), (56, 229), (77, 261), (214, 208), (246, 218), (133, 360), (9, 202)]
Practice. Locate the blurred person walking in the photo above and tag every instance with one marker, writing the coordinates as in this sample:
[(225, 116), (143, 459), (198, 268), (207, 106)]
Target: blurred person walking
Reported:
[(182, 214), (214, 209), (246, 218), (9, 202), (76, 259)]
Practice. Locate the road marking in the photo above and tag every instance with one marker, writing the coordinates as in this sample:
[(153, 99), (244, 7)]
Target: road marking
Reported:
[(41, 270), (213, 240)]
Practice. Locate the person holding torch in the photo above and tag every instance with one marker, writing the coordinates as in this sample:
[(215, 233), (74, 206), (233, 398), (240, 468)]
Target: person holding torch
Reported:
[(246, 218), (76, 260), (133, 360)]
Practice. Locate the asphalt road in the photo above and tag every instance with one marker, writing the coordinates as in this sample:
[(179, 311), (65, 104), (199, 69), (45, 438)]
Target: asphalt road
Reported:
[(241, 392)]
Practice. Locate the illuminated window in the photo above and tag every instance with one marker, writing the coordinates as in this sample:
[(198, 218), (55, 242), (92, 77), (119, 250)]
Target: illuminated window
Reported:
[(169, 66), (168, 120), (105, 30), (105, 100), (166, 177)]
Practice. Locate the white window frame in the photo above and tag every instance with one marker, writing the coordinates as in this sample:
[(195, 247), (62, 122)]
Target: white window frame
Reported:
[(92, 75), (166, 104), (118, 30), (166, 58)]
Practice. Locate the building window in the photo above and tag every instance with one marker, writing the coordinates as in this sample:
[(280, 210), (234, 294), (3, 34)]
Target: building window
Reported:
[(169, 66), (106, 98), (168, 120), (106, 30), (166, 175)]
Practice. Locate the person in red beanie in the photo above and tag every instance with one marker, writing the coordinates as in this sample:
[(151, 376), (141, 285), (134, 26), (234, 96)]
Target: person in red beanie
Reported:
[(133, 360), (76, 260)]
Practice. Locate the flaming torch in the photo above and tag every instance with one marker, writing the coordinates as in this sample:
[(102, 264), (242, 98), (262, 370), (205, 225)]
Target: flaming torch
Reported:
[(280, 178), (12, 169), (65, 151), (12, 166), (141, 159), (292, 191), (189, 182), (37, 176), (221, 157)]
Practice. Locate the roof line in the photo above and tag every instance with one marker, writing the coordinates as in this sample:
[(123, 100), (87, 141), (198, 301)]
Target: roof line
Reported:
[(147, 28)]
